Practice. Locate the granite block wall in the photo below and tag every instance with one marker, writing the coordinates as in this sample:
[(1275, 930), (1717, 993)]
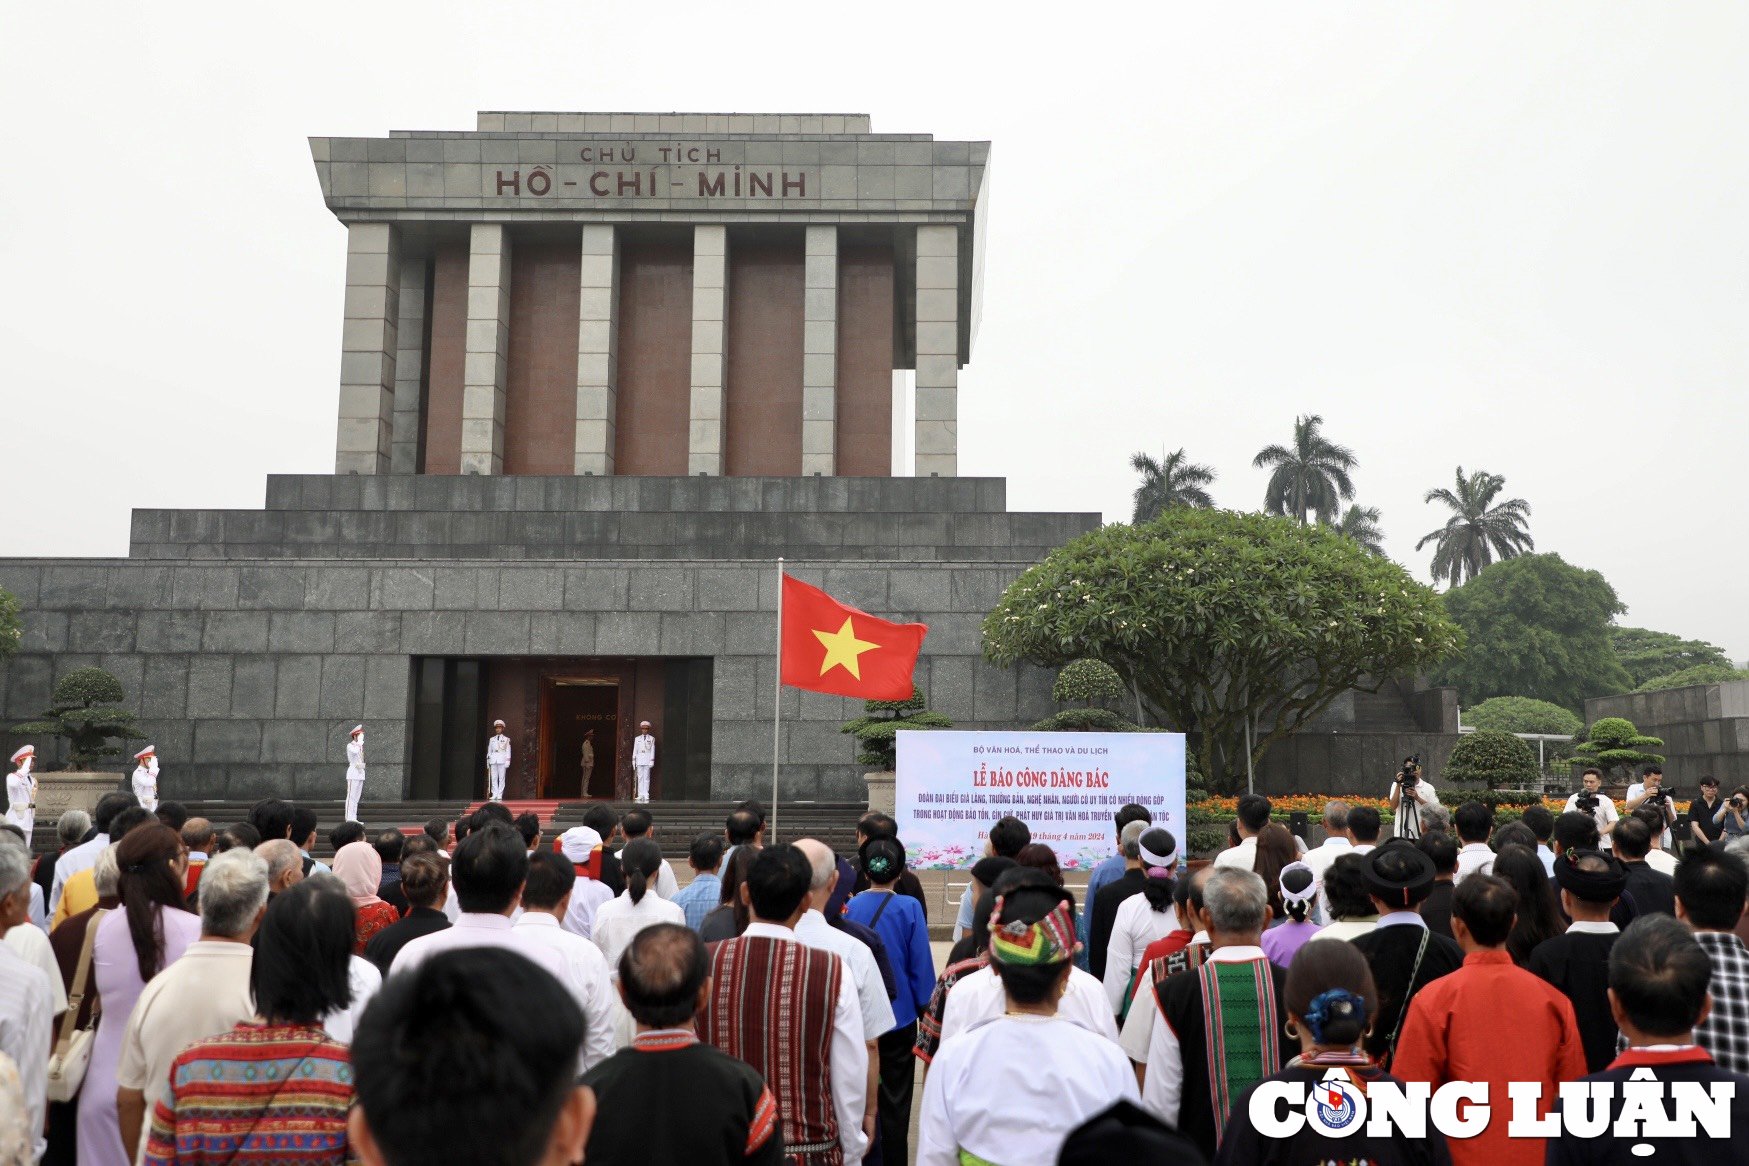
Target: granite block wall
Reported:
[(1705, 728)]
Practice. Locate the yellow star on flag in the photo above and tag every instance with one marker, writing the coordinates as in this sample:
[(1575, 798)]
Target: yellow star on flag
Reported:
[(843, 649)]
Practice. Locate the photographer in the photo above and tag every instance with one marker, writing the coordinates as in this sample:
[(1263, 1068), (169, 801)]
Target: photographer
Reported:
[(1733, 816), (1650, 791), (1705, 811), (1592, 800), (1409, 793)]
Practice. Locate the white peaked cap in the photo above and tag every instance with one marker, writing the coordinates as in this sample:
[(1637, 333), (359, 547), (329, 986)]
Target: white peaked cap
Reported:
[(497, 722), (26, 751), (357, 729), (578, 843), (148, 751)]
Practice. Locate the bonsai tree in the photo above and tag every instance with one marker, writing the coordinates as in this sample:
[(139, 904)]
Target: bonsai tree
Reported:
[(85, 712), (876, 731), (1614, 744), (1499, 759), (1089, 682)]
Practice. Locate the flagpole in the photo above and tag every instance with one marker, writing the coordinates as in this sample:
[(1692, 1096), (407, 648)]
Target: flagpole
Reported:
[(777, 700)]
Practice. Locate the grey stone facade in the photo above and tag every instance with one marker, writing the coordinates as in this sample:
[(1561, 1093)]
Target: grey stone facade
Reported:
[(1705, 728), (251, 641)]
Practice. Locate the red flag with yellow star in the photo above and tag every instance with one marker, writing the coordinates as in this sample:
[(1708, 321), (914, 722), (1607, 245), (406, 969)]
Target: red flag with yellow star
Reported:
[(831, 647)]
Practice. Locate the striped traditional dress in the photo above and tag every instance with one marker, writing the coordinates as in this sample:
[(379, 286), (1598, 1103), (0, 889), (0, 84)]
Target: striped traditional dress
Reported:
[(771, 1006), (929, 1020), (258, 1094)]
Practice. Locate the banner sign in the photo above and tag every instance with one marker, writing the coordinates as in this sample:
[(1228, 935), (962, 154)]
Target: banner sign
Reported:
[(1067, 787)]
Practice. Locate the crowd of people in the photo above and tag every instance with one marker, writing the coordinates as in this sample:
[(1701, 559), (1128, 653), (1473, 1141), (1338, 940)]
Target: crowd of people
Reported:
[(174, 992)]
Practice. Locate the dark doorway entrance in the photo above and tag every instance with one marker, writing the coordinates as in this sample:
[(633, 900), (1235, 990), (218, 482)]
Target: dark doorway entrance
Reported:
[(575, 710)]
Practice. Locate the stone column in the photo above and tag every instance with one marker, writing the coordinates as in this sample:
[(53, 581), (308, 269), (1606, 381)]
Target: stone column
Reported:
[(710, 282), (820, 353), (936, 432), (409, 368), (597, 358), (367, 350), (488, 346)]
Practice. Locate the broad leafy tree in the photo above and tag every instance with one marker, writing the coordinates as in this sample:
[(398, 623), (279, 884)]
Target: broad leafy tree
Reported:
[(1699, 674), (1171, 481), (1308, 477), (11, 629), (1361, 523), (1479, 530), (1647, 654), (1218, 619), (1535, 626), (1521, 714), (1499, 759)]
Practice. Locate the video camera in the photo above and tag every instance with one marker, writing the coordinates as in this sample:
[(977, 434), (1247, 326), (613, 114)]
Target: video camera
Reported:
[(1410, 775), (1585, 803)]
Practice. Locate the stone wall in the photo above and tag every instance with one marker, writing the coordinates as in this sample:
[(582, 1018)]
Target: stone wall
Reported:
[(251, 641), (1705, 728)]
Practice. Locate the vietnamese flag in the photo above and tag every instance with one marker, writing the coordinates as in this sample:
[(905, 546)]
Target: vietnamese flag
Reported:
[(828, 646)]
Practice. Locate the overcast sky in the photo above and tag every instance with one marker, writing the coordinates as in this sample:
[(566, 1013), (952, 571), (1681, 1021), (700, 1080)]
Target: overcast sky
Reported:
[(1511, 236)]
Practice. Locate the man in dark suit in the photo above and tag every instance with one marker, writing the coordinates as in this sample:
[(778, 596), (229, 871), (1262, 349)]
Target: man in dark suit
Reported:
[(423, 880), (1650, 890)]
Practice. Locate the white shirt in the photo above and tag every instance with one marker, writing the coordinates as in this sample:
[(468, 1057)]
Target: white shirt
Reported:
[(877, 1011), (1163, 1090), (1243, 856), (39, 914), (847, 1060), (365, 980), (77, 858), (986, 1096), (1138, 1025), (1638, 788), (1135, 927), (498, 750), (1661, 861), (477, 930), (26, 1020), (1548, 856), (979, 997), (1604, 813), (201, 995), (666, 884), (1428, 797), (643, 749), (145, 782), (31, 945), (355, 757), (1347, 929), (586, 975), (587, 896), (1592, 927), (618, 921), (1473, 858), (1319, 859)]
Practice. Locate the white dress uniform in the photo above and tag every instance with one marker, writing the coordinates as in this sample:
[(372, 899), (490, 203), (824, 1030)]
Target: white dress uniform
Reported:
[(146, 783), (643, 760), (354, 775), (21, 796), (497, 761)]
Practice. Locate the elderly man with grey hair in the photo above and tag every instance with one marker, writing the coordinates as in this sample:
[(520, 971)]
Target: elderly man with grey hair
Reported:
[(203, 994), (70, 830), (285, 864), (27, 1000), (1194, 1069), (871, 993)]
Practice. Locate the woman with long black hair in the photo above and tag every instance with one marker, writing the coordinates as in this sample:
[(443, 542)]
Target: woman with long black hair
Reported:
[(1142, 919), (619, 920)]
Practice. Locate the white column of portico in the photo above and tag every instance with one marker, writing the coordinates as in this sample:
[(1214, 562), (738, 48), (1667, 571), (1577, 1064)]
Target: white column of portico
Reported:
[(936, 431), (597, 355), (488, 345), (409, 366), (710, 283), (820, 353), (367, 350)]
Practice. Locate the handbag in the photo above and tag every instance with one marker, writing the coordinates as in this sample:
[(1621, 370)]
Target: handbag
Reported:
[(72, 1055)]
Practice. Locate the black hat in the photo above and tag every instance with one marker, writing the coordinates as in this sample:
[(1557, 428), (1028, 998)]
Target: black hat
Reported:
[(1399, 874), (989, 868), (1604, 886), (1129, 1134)]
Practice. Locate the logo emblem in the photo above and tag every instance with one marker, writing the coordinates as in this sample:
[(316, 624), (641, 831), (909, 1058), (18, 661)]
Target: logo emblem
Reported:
[(1335, 1105)]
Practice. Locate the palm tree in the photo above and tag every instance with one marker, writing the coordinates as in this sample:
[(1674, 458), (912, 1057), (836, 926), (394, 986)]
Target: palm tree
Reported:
[(1361, 523), (1171, 481), (1311, 477), (1478, 530)]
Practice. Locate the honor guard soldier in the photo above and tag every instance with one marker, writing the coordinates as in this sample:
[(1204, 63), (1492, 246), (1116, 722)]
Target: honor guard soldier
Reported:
[(354, 772), (146, 777), (21, 792), (497, 761), (643, 759)]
